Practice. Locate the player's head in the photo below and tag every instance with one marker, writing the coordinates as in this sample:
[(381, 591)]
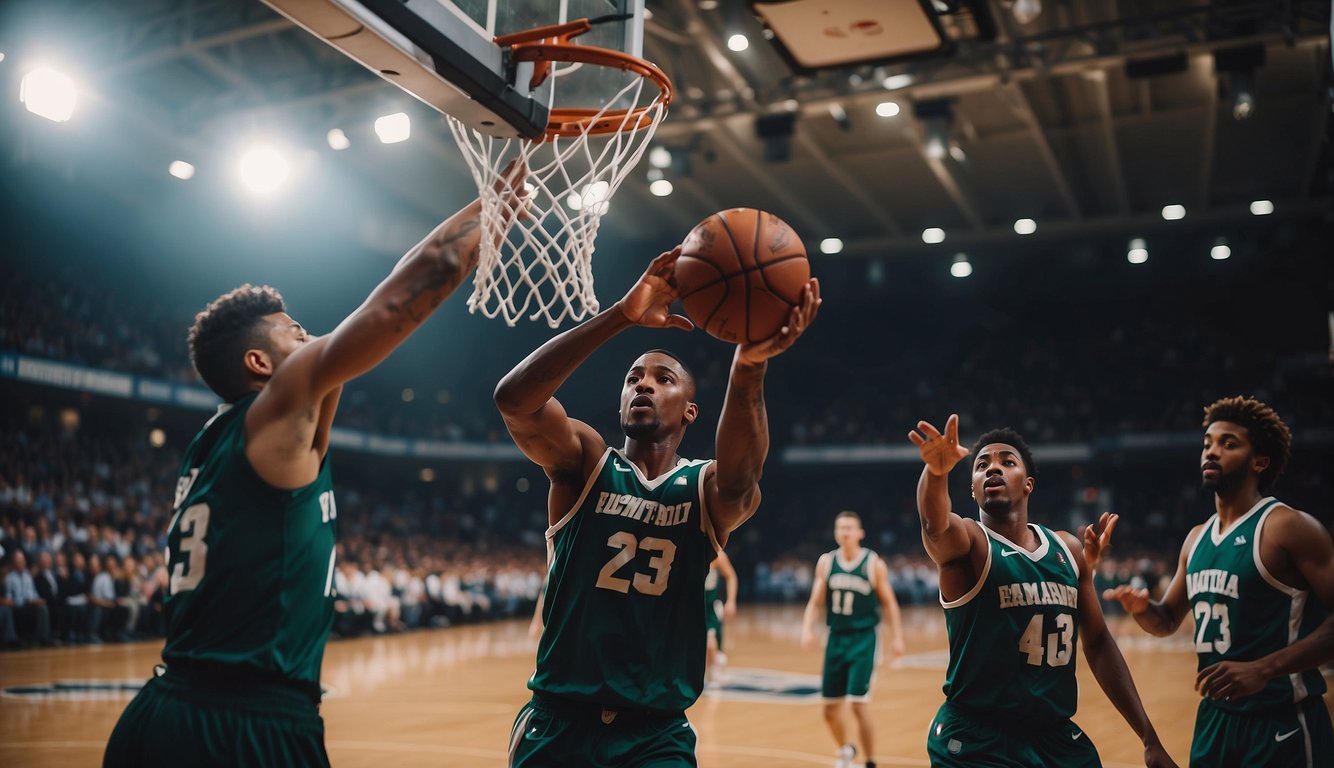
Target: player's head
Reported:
[(240, 338), (658, 397), (1003, 470), (1244, 439), (848, 529)]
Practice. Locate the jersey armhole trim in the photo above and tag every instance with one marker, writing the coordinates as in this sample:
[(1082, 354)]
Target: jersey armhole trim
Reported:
[(1273, 581), (1061, 541), (706, 522), (588, 487), (981, 579)]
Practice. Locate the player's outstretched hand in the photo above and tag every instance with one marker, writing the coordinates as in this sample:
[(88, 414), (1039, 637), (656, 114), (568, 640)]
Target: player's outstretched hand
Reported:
[(1098, 539), (649, 300), (1156, 757), (798, 320), (1131, 599), (940, 452)]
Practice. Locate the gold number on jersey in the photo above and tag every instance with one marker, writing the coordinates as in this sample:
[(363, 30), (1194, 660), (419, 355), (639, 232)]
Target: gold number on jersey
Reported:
[(193, 526), (627, 545), (1219, 612), (1059, 646), (841, 602)]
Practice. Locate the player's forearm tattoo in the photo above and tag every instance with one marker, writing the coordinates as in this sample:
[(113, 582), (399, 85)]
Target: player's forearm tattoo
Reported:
[(443, 266)]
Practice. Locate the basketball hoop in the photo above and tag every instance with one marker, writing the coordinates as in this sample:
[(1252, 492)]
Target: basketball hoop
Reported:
[(542, 267)]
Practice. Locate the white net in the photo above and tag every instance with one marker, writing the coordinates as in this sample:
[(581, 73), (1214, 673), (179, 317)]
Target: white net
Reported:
[(542, 268)]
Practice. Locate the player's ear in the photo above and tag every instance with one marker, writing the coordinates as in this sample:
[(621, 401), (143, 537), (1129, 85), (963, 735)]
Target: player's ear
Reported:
[(258, 362), (1259, 464), (1029, 482), (691, 413)]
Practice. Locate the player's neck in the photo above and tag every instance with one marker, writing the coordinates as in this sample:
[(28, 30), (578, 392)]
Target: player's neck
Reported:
[(1233, 504), (849, 553), (653, 458), (1013, 525)]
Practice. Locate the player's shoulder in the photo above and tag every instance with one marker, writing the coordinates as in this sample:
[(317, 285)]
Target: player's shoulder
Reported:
[(1291, 526)]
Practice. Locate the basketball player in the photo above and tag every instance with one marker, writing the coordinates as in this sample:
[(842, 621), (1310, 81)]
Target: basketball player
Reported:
[(852, 583), (1248, 574), (716, 610), (633, 530), (1016, 597), (251, 546)]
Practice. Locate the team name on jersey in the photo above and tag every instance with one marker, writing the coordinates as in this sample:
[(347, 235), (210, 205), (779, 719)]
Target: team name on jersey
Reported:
[(635, 508), (183, 485), (1038, 593), (850, 582), (1214, 580)]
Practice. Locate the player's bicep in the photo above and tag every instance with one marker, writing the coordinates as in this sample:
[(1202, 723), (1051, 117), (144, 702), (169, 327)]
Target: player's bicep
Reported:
[(1313, 556), (550, 438)]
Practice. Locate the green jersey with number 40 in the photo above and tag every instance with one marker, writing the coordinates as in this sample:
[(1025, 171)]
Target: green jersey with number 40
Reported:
[(1013, 635), (250, 566), (624, 608), (1243, 613)]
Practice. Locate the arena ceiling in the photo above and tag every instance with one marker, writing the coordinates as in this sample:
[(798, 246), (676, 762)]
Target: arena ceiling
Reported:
[(1088, 120)]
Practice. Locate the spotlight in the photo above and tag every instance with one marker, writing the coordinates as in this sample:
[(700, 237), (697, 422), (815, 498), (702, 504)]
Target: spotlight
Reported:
[(895, 82), (961, 267), (831, 245), (1174, 212), (1262, 208), (1026, 11), (660, 157), (181, 169), (157, 438), (48, 93), (738, 43), (1138, 253), (937, 118), (1025, 226), (933, 235), (887, 109), (840, 116), (936, 148), (393, 128), (264, 170), (593, 196), (337, 140), (1220, 250), (660, 188)]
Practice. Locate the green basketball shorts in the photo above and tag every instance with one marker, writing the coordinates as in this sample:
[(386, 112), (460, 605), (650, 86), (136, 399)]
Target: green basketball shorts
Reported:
[(958, 740), (561, 733), (1294, 736), (174, 722), (849, 664)]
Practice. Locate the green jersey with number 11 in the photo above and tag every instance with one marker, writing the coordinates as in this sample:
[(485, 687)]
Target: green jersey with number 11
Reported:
[(250, 565), (624, 608)]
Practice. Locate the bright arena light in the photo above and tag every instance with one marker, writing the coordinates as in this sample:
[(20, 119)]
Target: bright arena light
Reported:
[(887, 109), (264, 170), (1138, 253), (393, 128), (48, 93), (181, 169), (594, 196), (338, 140), (961, 267), (660, 188), (1025, 226), (895, 82), (738, 43), (1174, 212), (157, 438), (1262, 208), (1220, 250), (660, 157), (831, 245), (933, 235)]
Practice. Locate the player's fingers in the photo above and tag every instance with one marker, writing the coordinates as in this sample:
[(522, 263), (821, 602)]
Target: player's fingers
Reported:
[(916, 439), (680, 321), (929, 430)]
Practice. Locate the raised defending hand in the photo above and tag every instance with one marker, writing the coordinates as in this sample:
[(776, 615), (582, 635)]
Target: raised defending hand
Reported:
[(1098, 539), (798, 321), (939, 452), (1131, 599), (649, 300)]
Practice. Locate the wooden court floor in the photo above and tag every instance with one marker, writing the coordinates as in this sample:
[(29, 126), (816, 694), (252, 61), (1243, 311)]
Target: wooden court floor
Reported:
[(448, 697)]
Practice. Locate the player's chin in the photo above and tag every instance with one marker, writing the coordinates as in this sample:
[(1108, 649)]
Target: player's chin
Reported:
[(641, 430)]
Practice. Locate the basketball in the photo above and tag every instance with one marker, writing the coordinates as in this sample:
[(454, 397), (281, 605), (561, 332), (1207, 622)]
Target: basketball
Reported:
[(740, 273)]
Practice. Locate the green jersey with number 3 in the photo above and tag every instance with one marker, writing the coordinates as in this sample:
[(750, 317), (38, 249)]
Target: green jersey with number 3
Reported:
[(250, 566), (1243, 613), (850, 601), (1013, 635), (624, 609)]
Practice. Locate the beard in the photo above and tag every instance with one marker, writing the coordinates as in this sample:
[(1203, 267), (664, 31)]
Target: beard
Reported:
[(998, 507), (641, 430), (1226, 481)]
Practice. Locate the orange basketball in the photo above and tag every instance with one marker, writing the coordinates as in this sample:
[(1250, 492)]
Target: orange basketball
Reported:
[(740, 273)]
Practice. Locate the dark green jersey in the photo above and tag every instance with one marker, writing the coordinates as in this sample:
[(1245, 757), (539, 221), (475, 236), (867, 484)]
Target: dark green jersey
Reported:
[(1243, 613), (850, 599), (1013, 635), (624, 608), (251, 566)]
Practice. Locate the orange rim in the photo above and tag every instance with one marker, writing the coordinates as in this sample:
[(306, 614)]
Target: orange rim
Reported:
[(544, 45)]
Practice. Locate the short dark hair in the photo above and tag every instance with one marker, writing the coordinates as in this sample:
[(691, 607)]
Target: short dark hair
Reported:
[(1010, 437), (224, 330), (1267, 432), (848, 513), (694, 383)]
